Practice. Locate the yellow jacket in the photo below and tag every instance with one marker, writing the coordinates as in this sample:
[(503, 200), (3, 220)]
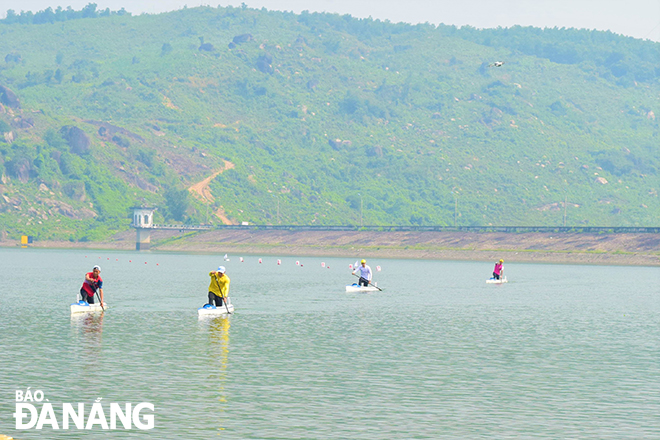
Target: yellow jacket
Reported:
[(219, 284)]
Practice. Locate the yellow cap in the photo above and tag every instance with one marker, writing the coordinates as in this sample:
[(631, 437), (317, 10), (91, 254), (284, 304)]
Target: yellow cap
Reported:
[(501, 261), (363, 261)]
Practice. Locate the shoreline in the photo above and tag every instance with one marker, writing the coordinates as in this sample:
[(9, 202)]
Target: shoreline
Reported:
[(568, 248)]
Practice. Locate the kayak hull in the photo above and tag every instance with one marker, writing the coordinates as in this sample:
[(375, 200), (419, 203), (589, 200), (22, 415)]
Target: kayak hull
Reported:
[(494, 281), (354, 288), (209, 310), (83, 307)]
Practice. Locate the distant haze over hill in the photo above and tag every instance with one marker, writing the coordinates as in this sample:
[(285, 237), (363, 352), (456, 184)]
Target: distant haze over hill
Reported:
[(224, 115), (635, 18)]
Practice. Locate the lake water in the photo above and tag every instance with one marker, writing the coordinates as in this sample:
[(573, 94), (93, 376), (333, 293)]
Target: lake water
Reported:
[(558, 352)]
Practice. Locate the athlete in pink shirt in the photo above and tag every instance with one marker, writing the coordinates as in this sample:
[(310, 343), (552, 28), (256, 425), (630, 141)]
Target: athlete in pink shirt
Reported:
[(497, 272)]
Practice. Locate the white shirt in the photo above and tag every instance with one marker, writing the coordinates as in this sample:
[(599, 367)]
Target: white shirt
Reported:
[(365, 272)]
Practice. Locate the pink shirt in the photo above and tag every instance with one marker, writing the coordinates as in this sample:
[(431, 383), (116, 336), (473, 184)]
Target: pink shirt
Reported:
[(498, 268)]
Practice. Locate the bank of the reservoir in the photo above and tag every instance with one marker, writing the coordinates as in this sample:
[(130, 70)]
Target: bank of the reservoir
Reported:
[(574, 248)]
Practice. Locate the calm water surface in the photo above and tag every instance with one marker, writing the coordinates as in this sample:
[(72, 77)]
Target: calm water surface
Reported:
[(559, 352)]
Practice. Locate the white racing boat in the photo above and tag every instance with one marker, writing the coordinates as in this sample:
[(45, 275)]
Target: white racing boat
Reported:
[(495, 281), (83, 307), (211, 310), (358, 288)]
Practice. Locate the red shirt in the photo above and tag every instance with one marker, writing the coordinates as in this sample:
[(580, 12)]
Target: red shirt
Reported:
[(87, 286)]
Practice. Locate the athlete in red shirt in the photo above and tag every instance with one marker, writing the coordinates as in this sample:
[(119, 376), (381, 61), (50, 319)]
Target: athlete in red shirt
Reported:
[(92, 282)]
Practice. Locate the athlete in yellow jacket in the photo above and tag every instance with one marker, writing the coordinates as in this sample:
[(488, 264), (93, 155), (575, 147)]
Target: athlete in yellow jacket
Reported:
[(219, 287)]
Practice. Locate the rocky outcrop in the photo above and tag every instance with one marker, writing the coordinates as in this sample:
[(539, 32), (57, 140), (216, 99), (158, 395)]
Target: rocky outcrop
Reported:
[(312, 83), (376, 151), (9, 98), (56, 156), (124, 143), (21, 122), (106, 129), (300, 42), (265, 64), (13, 58), (78, 141), (335, 144), (75, 190), (58, 207), (243, 38), (142, 184), (20, 168)]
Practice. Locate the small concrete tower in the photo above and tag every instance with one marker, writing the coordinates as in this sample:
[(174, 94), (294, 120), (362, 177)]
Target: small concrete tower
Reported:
[(143, 222)]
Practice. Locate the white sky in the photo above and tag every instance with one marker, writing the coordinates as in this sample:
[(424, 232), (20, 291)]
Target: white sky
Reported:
[(636, 18)]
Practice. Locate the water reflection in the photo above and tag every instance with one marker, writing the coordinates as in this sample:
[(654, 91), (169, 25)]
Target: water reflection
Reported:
[(218, 334), (88, 332), (89, 324)]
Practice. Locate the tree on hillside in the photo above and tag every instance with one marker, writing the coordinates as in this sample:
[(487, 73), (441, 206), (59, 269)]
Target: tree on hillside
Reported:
[(167, 48), (177, 203)]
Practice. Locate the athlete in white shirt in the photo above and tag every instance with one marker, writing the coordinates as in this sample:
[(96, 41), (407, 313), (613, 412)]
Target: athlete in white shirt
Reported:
[(364, 272)]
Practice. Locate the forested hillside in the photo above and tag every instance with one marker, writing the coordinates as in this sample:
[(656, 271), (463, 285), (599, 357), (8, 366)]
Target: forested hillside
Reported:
[(319, 119)]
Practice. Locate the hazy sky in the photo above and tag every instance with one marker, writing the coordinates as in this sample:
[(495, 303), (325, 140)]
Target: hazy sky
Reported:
[(636, 18)]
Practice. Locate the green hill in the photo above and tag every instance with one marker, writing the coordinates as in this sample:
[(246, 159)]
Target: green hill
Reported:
[(324, 118)]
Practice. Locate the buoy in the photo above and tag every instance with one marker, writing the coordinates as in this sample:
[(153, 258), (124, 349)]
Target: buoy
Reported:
[(297, 263), (156, 264), (241, 259), (279, 262), (328, 267), (350, 266), (322, 264), (116, 259), (378, 268), (301, 265), (145, 262), (130, 261), (259, 260)]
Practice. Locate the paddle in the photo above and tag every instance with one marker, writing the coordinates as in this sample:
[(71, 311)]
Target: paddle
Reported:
[(224, 300), (369, 283), (100, 302)]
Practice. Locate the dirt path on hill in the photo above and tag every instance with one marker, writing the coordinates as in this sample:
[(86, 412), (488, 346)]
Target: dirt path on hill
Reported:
[(201, 189), (202, 192), (220, 213)]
